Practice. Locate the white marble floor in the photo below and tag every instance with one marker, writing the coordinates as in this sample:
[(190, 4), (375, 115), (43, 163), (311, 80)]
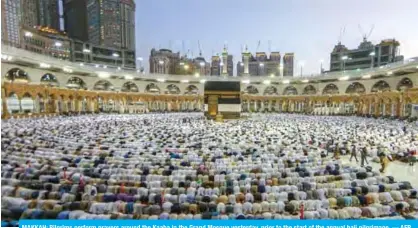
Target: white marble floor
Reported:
[(400, 171)]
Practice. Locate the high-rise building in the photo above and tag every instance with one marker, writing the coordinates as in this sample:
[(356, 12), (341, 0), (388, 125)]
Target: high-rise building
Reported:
[(128, 24), (260, 65), (75, 19), (46, 41), (365, 56), (215, 69), (10, 22), (230, 65), (48, 14), (288, 59), (109, 23), (222, 64), (30, 13), (201, 67), (163, 61)]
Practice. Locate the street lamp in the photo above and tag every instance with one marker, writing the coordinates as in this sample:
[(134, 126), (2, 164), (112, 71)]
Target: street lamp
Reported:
[(116, 55), (322, 62), (261, 70), (140, 59), (202, 65), (301, 64), (281, 70), (372, 54), (344, 58)]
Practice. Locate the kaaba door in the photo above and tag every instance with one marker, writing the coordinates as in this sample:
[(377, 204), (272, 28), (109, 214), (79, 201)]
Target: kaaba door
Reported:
[(213, 105)]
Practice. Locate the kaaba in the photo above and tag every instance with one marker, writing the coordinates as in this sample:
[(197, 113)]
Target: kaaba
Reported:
[(223, 98)]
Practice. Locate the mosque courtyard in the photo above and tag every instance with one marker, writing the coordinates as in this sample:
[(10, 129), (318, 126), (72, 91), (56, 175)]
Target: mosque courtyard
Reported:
[(183, 166)]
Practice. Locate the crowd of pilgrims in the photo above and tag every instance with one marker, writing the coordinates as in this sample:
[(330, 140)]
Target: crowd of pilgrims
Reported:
[(183, 166)]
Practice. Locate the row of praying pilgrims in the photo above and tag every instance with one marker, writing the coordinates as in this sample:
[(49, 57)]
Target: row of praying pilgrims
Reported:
[(183, 166)]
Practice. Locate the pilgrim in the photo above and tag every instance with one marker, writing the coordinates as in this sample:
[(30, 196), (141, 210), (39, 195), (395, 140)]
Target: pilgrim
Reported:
[(182, 166)]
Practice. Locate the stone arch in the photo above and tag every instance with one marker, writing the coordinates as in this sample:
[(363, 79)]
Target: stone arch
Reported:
[(330, 89), (191, 89), (270, 90), (152, 88), (76, 83), (13, 103), (355, 87), (309, 90), (27, 103), (129, 87), (17, 75), (50, 80), (103, 85), (172, 89), (251, 90), (290, 90), (404, 83), (381, 85)]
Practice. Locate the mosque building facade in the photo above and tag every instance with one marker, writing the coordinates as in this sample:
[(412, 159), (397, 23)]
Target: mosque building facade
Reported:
[(35, 85)]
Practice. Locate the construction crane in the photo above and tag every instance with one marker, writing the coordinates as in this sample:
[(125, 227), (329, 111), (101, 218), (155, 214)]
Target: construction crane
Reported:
[(340, 37), (258, 46), (200, 48), (365, 35)]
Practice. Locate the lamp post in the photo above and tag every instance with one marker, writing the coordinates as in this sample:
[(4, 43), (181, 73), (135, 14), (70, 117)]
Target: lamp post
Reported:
[(140, 59), (301, 64), (116, 55), (261, 69), (28, 34), (86, 52), (202, 64), (372, 54), (161, 63), (186, 67), (321, 62), (344, 58)]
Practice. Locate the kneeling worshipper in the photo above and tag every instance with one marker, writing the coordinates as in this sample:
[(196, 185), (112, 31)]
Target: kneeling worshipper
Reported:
[(148, 166)]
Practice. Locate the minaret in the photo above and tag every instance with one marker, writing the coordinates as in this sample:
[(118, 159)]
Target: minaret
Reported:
[(225, 62), (246, 58)]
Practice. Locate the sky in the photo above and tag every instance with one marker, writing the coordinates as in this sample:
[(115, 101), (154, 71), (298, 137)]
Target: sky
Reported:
[(308, 28)]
